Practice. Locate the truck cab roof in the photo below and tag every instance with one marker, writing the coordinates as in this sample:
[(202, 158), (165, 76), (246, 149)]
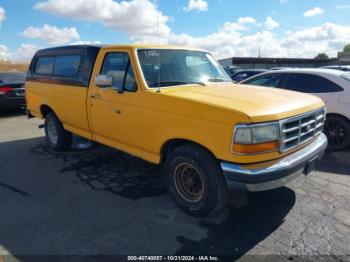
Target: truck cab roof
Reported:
[(111, 46)]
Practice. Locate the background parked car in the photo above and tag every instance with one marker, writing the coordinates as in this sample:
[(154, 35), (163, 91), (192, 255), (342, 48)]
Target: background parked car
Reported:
[(231, 70), (280, 68), (337, 67), (244, 74), (12, 90), (333, 86)]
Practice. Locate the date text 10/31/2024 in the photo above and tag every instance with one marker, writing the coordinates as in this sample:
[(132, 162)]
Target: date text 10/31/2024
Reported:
[(173, 258)]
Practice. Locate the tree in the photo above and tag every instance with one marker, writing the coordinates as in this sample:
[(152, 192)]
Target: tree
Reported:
[(347, 48), (322, 56)]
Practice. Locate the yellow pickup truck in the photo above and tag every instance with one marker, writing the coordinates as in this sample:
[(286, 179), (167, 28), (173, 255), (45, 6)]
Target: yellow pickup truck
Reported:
[(177, 107)]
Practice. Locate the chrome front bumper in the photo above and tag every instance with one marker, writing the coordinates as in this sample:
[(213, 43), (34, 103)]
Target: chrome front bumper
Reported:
[(270, 176)]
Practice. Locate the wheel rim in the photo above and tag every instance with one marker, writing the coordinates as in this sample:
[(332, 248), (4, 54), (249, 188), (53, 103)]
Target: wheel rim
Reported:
[(52, 133), (189, 182), (335, 132)]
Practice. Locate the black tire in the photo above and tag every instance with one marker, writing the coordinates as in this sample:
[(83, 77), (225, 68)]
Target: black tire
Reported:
[(204, 169), (337, 129), (63, 139)]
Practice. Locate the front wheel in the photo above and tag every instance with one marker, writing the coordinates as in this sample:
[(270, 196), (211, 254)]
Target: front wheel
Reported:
[(337, 130), (56, 136), (195, 181)]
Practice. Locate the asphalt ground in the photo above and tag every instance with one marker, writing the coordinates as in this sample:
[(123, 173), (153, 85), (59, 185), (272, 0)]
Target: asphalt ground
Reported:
[(99, 201)]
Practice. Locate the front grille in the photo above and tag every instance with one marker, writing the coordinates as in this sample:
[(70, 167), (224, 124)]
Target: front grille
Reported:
[(300, 129)]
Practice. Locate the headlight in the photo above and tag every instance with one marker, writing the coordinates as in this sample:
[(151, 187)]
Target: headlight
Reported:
[(250, 139)]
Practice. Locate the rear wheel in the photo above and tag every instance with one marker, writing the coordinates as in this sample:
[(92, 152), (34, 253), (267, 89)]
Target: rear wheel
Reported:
[(337, 130), (56, 136), (195, 181)]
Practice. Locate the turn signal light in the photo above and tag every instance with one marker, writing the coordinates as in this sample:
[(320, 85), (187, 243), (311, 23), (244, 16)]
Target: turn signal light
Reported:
[(255, 148)]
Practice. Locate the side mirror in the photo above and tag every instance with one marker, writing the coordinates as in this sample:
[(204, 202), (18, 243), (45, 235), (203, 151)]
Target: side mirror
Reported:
[(104, 81), (107, 81)]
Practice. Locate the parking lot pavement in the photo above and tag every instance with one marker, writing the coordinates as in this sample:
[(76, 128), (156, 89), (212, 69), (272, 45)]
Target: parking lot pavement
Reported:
[(101, 201)]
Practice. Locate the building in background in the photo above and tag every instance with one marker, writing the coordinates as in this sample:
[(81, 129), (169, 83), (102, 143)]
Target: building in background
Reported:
[(344, 58)]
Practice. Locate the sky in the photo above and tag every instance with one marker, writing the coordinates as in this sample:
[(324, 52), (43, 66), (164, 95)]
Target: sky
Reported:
[(273, 28)]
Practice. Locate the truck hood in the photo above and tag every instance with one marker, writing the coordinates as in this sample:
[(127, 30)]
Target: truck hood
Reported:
[(260, 104)]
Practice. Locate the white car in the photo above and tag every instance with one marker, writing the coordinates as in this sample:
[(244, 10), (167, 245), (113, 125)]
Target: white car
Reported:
[(337, 67), (332, 86)]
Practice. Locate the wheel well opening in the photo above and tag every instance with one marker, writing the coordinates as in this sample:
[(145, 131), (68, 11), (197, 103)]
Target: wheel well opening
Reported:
[(337, 115), (174, 143), (44, 109)]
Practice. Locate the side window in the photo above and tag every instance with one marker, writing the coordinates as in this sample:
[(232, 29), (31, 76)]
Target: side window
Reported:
[(66, 65), (301, 83), (44, 65), (273, 80), (326, 86), (118, 65)]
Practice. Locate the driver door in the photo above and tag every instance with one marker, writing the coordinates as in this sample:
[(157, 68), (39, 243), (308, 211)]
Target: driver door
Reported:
[(115, 115)]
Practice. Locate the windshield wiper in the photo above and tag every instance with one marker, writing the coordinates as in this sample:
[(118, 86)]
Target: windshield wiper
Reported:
[(197, 83), (170, 83), (218, 80)]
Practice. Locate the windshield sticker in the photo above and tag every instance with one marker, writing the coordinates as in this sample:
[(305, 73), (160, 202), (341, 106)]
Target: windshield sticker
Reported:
[(151, 53)]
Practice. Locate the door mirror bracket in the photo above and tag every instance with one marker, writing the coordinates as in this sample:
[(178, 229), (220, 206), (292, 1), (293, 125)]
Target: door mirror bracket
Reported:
[(119, 89)]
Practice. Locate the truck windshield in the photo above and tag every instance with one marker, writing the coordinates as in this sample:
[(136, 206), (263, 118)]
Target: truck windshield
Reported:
[(167, 67)]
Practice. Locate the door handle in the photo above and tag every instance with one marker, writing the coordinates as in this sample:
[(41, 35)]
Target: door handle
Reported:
[(95, 95)]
